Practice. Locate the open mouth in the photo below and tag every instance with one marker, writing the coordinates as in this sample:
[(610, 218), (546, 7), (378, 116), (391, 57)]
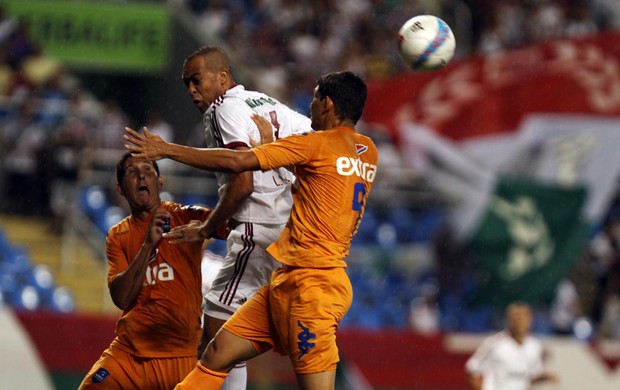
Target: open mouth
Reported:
[(144, 190)]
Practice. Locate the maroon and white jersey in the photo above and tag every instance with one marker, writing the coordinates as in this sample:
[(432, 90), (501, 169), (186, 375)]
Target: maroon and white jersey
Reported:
[(228, 124), (506, 364)]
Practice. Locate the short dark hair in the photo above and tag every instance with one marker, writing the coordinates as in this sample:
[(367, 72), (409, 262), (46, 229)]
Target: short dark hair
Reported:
[(347, 90), (120, 167), (218, 57)]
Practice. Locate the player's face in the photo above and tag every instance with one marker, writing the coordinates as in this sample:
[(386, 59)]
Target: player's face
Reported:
[(141, 184), (203, 85), (317, 110), (519, 319)]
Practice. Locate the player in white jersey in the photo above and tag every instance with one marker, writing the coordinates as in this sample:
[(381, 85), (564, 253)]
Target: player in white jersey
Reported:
[(511, 359), (256, 205)]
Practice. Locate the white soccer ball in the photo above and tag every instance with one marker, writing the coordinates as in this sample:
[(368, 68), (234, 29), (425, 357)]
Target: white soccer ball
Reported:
[(426, 43)]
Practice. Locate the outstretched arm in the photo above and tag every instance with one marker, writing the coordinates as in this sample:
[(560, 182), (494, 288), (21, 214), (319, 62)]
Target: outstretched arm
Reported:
[(153, 147)]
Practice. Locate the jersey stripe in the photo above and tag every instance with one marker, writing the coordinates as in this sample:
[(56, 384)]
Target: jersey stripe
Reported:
[(217, 131), (242, 260)]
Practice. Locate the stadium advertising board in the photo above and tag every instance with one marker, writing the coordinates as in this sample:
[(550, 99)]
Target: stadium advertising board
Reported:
[(97, 36)]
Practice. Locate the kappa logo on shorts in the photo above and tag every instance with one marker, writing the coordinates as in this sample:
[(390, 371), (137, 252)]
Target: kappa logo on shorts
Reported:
[(100, 375), (304, 343)]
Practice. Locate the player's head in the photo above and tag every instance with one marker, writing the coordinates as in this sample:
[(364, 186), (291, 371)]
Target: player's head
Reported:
[(139, 181), (347, 92), (207, 75), (519, 319)]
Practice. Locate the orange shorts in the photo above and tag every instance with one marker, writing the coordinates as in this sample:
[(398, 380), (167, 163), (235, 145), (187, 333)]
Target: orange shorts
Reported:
[(117, 369), (297, 314)]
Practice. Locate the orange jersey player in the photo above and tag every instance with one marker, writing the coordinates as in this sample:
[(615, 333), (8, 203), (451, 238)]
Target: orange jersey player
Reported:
[(156, 284), (297, 313)]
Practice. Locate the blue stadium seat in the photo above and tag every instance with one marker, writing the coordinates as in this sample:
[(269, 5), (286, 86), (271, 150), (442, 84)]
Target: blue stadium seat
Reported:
[(93, 199), (26, 298), (477, 320), (16, 260), (62, 300), (40, 277), (8, 283), (112, 216)]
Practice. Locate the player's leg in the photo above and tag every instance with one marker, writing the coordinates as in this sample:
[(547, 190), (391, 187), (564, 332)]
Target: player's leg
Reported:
[(246, 268), (318, 299), (245, 335), (114, 370), (237, 377)]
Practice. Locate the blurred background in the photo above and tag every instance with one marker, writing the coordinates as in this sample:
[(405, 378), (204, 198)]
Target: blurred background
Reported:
[(498, 176)]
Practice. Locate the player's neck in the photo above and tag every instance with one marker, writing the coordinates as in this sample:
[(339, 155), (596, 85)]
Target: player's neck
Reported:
[(519, 338), (341, 122)]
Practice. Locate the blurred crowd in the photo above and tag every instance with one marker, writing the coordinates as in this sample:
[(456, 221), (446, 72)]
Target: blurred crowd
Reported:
[(285, 44), (50, 123)]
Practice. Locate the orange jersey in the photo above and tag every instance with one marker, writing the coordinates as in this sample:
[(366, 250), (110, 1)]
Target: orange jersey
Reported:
[(335, 170), (165, 320)]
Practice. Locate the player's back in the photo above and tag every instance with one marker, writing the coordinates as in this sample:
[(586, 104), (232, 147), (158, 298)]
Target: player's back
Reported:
[(335, 171)]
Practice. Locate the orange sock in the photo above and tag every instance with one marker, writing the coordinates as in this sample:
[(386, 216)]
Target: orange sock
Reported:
[(202, 378)]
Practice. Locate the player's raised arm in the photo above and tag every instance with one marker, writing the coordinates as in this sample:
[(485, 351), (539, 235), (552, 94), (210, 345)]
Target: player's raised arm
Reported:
[(153, 147)]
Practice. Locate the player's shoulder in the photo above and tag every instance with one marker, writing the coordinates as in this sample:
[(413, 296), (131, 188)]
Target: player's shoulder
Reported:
[(497, 338), (121, 228), (533, 341)]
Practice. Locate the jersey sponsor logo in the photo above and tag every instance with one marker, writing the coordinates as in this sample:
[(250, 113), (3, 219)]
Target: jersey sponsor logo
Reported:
[(348, 166), (304, 338), (359, 148), (159, 272), (100, 375)]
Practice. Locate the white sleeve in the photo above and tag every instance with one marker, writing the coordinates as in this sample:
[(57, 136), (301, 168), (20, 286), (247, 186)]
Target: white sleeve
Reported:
[(233, 123), (477, 362)]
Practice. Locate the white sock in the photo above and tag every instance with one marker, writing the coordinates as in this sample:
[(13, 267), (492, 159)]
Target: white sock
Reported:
[(237, 379)]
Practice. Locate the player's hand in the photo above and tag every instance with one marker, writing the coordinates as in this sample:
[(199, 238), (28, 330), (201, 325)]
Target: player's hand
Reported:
[(148, 145), (265, 130), (190, 232), (156, 226)]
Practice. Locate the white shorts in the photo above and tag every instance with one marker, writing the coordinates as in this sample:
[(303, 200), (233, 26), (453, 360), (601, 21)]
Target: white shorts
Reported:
[(247, 267)]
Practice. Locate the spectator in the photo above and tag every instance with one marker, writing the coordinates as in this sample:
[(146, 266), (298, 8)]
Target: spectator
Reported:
[(24, 139), (510, 359)]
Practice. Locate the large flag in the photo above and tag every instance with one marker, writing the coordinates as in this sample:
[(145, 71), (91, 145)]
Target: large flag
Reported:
[(523, 203), (522, 146), (527, 240)]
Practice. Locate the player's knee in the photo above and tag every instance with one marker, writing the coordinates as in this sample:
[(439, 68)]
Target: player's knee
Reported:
[(226, 350)]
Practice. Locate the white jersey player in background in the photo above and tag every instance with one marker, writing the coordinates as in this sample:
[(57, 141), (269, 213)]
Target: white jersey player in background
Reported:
[(511, 359), (256, 205)]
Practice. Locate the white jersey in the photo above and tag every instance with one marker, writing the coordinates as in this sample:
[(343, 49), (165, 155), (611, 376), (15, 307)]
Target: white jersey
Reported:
[(228, 124), (506, 364)]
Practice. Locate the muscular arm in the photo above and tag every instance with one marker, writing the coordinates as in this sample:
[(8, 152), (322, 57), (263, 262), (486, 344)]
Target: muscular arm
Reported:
[(240, 187), (153, 147), (126, 286)]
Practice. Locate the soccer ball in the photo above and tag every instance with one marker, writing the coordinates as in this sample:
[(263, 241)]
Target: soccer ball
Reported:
[(426, 43)]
